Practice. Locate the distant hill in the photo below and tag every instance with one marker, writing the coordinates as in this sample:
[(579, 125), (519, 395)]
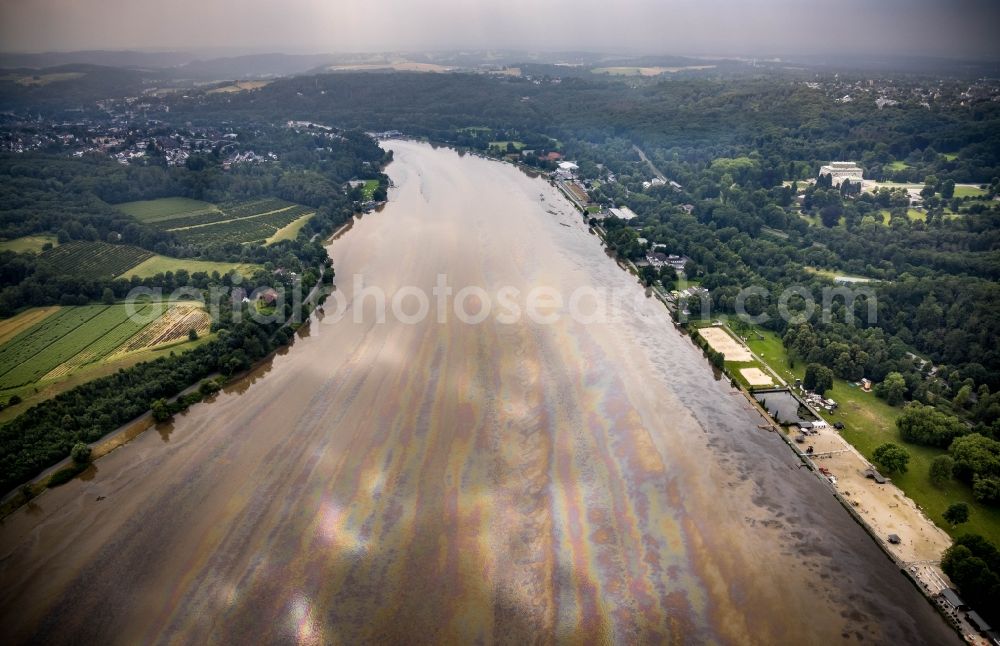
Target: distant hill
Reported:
[(180, 65), (66, 85), (252, 66), (97, 57)]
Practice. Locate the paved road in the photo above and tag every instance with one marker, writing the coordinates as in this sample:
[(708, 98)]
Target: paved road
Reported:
[(652, 166)]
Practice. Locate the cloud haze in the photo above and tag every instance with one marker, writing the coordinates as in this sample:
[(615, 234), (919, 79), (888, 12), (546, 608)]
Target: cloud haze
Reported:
[(956, 28)]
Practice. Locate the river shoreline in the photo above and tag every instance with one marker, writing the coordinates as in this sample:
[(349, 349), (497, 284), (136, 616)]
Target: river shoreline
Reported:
[(121, 436), (464, 482), (927, 583)]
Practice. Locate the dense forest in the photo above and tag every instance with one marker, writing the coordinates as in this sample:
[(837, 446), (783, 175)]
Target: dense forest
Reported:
[(694, 120)]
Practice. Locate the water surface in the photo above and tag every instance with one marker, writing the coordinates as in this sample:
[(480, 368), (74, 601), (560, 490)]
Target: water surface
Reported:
[(454, 483)]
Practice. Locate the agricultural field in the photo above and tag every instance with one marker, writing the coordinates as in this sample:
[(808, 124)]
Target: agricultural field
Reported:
[(202, 223), (238, 86), (170, 328), (398, 66), (28, 243), (64, 340), (9, 328), (157, 264), (165, 208), (28, 356), (648, 71), (254, 222), (93, 259)]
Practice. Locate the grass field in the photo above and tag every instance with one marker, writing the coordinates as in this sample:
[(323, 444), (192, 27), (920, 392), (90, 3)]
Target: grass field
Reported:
[(647, 71), (913, 214), (368, 190), (46, 344), (813, 220), (897, 165), (239, 86), (969, 191), (157, 264), (291, 231), (832, 275), (502, 145), (870, 422), (28, 243), (398, 66), (165, 208), (93, 259)]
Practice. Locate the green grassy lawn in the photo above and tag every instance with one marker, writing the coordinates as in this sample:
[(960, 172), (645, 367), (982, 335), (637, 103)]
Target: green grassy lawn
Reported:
[(950, 156), (897, 165), (774, 232), (892, 185), (291, 231), (802, 184), (913, 214), (869, 422), (28, 243), (833, 275), (969, 191), (813, 220), (164, 208), (502, 145), (368, 190), (162, 264)]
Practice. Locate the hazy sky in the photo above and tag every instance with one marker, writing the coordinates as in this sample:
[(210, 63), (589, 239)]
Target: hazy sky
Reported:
[(758, 27)]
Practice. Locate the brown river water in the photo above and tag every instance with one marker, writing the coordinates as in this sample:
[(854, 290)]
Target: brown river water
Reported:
[(514, 481)]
